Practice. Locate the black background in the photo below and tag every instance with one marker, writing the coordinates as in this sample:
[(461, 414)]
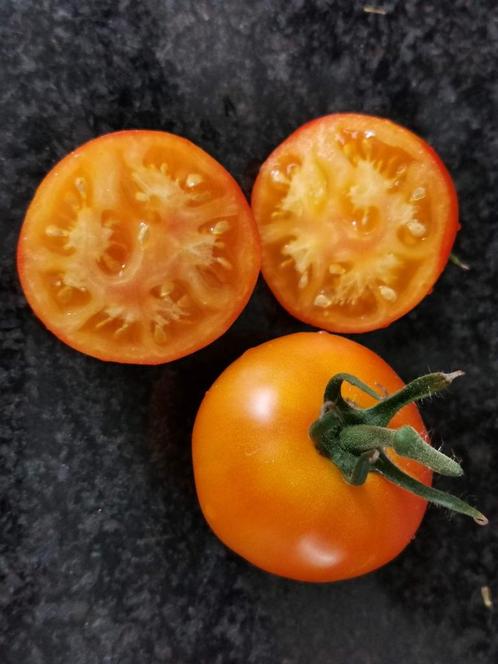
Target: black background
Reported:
[(104, 555)]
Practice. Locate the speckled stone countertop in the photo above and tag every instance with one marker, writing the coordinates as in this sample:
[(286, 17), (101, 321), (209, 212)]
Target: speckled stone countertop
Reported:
[(104, 554)]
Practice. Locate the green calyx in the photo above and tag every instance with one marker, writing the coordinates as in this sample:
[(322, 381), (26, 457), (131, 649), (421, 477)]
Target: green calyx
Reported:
[(356, 439)]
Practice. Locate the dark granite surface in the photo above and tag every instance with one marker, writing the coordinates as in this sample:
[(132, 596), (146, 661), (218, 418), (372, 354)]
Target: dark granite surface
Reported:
[(104, 555)]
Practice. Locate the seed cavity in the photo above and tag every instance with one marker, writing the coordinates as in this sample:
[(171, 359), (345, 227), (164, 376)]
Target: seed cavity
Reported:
[(183, 301), (367, 146), (111, 263), (349, 150), (336, 268), (65, 294), (111, 313), (387, 293)]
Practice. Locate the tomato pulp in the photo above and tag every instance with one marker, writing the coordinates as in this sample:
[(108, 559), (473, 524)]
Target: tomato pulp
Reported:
[(138, 247), (357, 217)]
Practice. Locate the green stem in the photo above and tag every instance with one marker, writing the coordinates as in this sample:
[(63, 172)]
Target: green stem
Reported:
[(355, 439), (405, 441), (456, 260), (334, 386), (363, 467), (420, 388), (387, 469), (408, 443)]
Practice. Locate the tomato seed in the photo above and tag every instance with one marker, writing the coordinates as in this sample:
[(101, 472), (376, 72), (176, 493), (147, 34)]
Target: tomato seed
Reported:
[(418, 194), (416, 228), (159, 334), (55, 231), (278, 177), (80, 185), (223, 262), (143, 232), (387, 293), (220, 227), (166, 289), (64, 294), (321, 300), (193, 179), (303, 281)]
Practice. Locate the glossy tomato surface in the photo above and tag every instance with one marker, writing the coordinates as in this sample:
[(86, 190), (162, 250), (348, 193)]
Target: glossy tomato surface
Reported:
[(263, 487), (357, 217), (138, 247)]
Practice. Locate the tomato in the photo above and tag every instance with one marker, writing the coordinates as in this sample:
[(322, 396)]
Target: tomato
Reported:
[(263, 487), (271, 461), (138, 247), (357, 217)]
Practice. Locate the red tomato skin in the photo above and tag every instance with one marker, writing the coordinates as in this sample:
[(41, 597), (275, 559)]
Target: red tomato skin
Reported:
[(265, 490)]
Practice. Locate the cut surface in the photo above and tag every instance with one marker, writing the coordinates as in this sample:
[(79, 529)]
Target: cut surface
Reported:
[(138, 247), (357, 218)]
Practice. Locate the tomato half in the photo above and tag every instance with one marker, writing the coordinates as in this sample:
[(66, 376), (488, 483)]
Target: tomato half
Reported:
[(138, 247), (357, 217), (264, 488)]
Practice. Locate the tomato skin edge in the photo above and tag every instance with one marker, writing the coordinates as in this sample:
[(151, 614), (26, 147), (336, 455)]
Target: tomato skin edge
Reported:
[(54, 172), (451, 229)]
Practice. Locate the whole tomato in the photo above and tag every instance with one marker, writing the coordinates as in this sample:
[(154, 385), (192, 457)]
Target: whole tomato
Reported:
[(279, 498)]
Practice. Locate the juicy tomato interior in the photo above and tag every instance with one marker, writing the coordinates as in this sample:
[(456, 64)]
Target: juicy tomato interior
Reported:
[(138, 247), (357, 217)]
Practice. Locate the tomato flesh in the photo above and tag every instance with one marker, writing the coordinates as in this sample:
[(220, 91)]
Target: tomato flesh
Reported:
[(264, 488), (138, 247), (357, 217)]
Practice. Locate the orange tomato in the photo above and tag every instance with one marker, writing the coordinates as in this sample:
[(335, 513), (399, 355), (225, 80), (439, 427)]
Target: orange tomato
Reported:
[(264, 488), (138, 247), (357, 217)]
